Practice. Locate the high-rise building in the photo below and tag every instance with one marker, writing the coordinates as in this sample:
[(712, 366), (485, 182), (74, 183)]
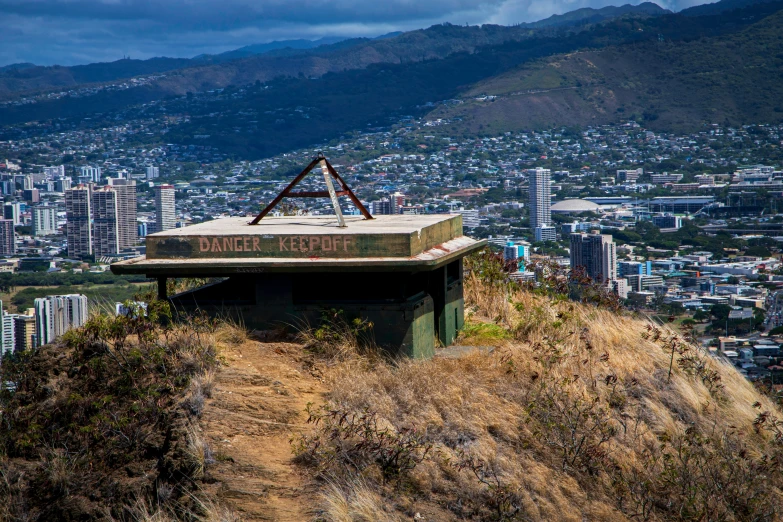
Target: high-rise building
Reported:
[(398, 201), (382, 207), (597, 254), (54, 172), (518, 251), (667, 221), (56, 314), (44, 221), (77, 228), (540, 197), (153, 172), (105, 227), (7, 238), (620, 287), (32, 195), (91, 174), (629, 176), (126, 212), (13, 211), (62, 184), (6, 332), (545, 233), (629, 268), (165, 210), (24, 331), (8, 337), (23, 181), (470, 218)]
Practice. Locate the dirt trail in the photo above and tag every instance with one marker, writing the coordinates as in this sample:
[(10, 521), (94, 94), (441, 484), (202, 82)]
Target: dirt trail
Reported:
[(257, 406)]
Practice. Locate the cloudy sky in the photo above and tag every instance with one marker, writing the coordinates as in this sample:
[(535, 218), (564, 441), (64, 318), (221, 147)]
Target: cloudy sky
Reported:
[(69, 32)]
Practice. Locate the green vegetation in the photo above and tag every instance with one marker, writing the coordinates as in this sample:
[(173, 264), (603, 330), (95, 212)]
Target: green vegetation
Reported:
[(10, 281), (101, 297), (778, 330), (107, 419), (477, 333)]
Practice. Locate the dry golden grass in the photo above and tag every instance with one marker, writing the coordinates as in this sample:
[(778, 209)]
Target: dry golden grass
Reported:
[(564, 420), (206, 510), (356, 502)]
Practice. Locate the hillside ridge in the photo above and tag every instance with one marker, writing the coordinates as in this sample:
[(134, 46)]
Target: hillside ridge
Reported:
[(729, 79), (551, 410)]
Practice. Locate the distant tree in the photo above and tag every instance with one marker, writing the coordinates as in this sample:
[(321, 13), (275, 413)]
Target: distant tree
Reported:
[(720, 312), (778, 330), (758, 251)]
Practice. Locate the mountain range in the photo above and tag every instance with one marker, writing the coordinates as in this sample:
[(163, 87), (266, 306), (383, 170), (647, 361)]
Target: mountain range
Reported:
[(717, 63), (348, 53)]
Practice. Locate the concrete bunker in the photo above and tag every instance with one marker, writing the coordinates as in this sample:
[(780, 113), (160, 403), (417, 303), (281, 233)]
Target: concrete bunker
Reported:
[(403, 273)]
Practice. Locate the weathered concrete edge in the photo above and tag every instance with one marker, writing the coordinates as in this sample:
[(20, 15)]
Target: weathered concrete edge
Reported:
[(428, 260)]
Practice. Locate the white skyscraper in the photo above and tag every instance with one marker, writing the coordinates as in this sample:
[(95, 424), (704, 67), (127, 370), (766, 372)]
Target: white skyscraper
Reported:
[(6, 332), (92, 173), (540, 197), (153, 172), (8, 337), (165, 210), (44, 221), (56, 314)]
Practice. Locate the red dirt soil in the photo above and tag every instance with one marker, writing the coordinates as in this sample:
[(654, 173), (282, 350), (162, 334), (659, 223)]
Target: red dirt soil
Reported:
[(257, 406)]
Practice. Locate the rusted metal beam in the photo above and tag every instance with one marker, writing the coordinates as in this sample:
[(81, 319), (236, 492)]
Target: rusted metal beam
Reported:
[(285, 191), (331, 193), (317, 194)]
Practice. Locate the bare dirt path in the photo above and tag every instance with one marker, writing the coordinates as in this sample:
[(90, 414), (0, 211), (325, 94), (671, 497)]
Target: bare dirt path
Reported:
[(257, 406)]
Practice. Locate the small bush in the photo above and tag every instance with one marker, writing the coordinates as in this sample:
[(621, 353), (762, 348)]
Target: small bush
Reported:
[(356, 440), (337, 337), (483, 333)]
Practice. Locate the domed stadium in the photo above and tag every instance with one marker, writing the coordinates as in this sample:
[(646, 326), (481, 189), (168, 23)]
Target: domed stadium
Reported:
[(574, 206)]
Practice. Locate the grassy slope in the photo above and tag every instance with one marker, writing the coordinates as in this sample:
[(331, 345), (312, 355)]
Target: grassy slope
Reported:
[(571, 416), (733, 78), (507, 442)]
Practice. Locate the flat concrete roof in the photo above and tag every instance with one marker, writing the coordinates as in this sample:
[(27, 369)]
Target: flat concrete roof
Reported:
[(288, 244), (296, 237), (306, 225)]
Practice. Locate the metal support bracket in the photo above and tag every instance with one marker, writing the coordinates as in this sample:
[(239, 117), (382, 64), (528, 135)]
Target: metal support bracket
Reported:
[(332, 195)]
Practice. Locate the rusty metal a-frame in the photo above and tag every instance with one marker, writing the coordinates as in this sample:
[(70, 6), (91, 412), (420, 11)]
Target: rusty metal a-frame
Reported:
[(329, 173)]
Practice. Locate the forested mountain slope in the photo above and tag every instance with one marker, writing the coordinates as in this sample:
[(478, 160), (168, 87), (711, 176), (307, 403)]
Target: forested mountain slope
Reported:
[(669, 85)]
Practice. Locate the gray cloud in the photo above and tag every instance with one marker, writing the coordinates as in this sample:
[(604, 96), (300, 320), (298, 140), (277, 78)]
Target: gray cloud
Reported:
[(79, 31)]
